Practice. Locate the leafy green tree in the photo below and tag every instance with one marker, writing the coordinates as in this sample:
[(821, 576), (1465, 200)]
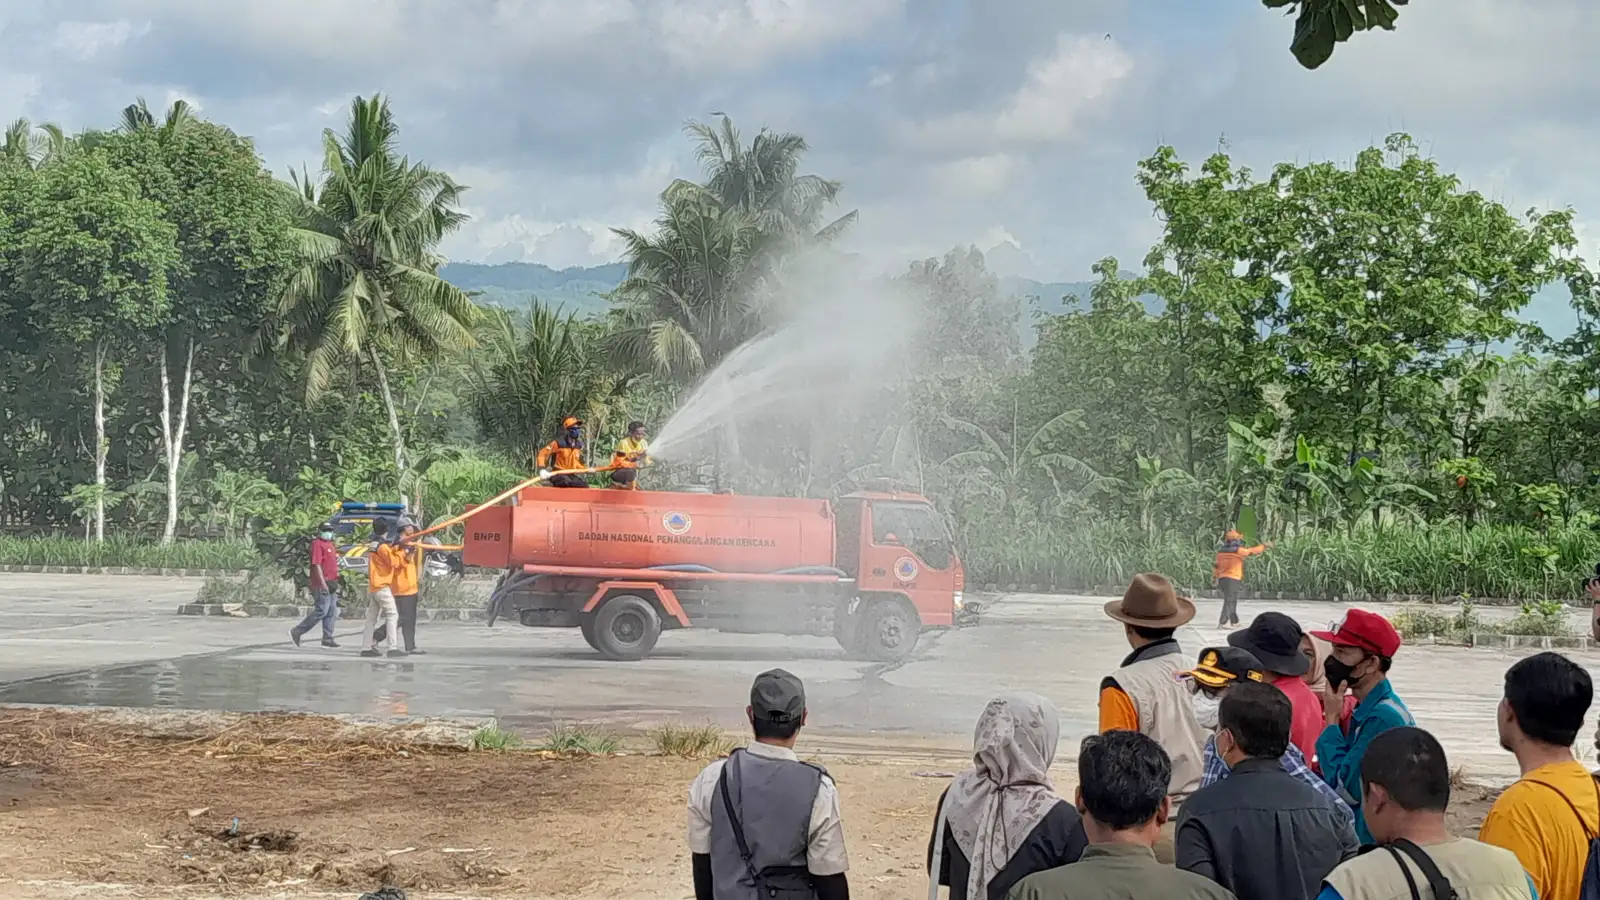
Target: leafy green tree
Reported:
[(94, 262), (233, 247), (366, 289), (1390, 265), (965, 319)]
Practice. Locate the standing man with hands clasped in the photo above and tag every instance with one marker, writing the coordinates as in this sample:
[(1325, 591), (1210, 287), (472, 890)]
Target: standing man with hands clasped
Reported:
[(763, 824)]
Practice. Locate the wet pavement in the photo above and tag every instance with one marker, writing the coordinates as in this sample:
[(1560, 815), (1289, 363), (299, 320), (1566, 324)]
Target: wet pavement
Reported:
[(114, 641)]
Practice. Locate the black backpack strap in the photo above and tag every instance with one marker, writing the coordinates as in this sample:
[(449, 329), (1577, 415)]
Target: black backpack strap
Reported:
[(1570, 805), (1442, 889), (733, 819)]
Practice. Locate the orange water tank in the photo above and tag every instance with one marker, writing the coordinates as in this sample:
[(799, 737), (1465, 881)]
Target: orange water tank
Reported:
[(641, 529)]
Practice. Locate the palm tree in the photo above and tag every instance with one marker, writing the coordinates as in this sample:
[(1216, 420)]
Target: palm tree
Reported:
[(687, 299), (30, 147), (763, 181), (366, 289), (531, 375), (138, 117), (693, 287)]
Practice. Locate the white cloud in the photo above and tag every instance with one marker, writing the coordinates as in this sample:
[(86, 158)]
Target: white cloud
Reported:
[(1077, 75), (976, 175), (1061, 87), (87, 40), (736, 34)]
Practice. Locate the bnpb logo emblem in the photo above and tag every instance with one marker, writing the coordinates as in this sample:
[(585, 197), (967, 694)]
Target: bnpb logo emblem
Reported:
[(676, 522), (905, 568)]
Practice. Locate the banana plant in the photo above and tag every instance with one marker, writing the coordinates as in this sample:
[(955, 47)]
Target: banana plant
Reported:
[(1323, 23)]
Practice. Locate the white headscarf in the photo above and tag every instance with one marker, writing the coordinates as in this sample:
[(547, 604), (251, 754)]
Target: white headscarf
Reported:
[(992, 808)]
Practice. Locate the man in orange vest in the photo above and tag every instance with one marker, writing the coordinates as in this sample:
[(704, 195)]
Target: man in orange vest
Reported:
[(1229, 573), (566, 453)]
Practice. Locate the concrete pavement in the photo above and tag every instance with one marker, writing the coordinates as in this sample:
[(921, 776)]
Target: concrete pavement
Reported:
[(113, 641)]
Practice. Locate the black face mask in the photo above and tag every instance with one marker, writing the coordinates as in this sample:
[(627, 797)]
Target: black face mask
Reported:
[(1336, 670)]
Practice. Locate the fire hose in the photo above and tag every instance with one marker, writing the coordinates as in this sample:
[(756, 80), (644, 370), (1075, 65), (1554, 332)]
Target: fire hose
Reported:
[(496, 499)]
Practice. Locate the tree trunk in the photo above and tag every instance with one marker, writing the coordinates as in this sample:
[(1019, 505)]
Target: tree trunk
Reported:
[(394, 417), (172, 439), (100, 445)]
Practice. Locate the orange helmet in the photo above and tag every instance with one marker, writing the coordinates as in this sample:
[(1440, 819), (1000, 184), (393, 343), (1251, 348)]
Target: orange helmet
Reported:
[(570, 421), (1233, 535)]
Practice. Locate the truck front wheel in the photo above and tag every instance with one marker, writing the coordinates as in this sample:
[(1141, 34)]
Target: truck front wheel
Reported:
[(888, 631), (626, 627)]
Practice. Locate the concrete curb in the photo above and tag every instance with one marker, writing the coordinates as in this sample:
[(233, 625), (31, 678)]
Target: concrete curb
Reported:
[(126, 570), (1530, 641), (1106, 590), (290, 611)]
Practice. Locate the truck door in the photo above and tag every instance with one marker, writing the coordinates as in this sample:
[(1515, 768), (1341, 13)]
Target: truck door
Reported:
[(909, 551), (847, 536)]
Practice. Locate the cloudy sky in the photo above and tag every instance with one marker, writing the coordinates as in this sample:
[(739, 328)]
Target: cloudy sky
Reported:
[(950, 121)]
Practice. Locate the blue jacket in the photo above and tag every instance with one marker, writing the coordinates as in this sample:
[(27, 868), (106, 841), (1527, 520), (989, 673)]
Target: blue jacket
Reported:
[(1340, 754)]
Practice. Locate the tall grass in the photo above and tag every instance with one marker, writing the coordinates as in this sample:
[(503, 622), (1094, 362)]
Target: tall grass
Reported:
[(118, 552), (1448, 561)]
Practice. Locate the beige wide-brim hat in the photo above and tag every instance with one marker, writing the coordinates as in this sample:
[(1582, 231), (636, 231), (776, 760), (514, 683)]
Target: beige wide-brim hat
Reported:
[(1151, 602)]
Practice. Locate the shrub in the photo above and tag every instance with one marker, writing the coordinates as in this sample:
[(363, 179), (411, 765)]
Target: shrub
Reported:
[(116, 552), (580, 740), (691, 741)]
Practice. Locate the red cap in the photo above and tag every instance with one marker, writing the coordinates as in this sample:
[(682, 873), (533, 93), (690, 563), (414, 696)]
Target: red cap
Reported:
[(1367, 630)]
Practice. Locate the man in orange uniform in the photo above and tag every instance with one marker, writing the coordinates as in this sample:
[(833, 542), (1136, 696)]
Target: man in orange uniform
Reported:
[(565, 452), (1229, 573), (383, 561), (406, 586)]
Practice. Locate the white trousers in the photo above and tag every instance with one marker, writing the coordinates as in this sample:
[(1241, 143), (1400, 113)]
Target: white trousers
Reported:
[(380, 603)]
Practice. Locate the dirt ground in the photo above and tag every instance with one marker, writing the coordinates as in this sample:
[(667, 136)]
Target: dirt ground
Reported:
[(276, 811)]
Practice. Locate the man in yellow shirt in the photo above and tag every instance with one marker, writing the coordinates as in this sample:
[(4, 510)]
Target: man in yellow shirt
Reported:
[(632, 452), (383, 562), (406, 586), (1549, 816)]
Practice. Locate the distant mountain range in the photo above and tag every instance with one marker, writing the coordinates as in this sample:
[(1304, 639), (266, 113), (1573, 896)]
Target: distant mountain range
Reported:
[(580, 290)]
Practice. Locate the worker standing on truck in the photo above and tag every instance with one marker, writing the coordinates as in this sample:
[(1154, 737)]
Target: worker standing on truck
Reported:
[(566, 453), (761, 822), (632, 453), (1229, 573)]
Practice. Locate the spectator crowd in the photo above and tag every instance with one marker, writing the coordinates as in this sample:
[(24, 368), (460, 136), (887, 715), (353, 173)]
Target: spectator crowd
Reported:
[(1282, 765)]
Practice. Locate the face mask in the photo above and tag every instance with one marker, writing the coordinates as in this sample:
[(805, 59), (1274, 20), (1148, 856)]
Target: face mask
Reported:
[(1205, 709), (1336, 670), (327, 535)]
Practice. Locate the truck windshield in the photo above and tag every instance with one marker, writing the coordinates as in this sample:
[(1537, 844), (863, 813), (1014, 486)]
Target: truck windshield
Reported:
[(914, 526)]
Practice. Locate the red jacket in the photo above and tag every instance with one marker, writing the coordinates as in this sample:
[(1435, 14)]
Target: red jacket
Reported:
[(1306, 721)]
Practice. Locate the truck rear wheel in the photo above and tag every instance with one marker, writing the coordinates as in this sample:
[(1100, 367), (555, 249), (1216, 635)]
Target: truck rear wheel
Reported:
[(626, 627), (888, 631)]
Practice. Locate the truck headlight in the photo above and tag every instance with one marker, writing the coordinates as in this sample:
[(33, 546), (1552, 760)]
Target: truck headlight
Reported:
[(957, 598)]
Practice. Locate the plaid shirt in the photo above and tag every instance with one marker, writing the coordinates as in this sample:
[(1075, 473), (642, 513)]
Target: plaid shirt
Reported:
[(1293, 762)]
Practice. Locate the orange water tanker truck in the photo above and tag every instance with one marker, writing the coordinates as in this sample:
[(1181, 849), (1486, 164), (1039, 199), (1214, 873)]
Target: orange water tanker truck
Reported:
[(874, 570)]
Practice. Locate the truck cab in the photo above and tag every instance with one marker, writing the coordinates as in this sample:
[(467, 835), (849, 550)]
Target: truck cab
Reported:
[(899, 551)]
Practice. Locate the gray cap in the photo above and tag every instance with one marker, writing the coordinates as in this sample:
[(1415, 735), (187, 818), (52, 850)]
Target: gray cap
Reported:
[(406, 522), (778, 697)]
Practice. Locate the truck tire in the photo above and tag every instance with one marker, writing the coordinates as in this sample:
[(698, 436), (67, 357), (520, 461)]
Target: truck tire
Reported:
[(888, 630), (626, 627)]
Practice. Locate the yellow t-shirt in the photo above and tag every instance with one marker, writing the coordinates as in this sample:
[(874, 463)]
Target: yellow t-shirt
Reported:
[(1536, 824)]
